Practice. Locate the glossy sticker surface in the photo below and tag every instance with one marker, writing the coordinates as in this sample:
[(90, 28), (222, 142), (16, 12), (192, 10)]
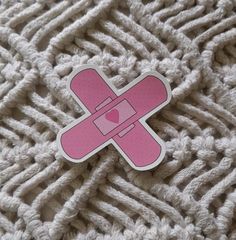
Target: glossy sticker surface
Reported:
[(115, 117)]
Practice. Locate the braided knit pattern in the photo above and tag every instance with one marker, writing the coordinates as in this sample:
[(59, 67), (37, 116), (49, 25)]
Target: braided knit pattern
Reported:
[(192, 193)]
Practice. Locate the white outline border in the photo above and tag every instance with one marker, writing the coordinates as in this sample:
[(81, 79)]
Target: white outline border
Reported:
[(118, 93)]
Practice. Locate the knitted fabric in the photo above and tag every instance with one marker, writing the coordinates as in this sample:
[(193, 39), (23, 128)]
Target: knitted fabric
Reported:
[(191, 194)]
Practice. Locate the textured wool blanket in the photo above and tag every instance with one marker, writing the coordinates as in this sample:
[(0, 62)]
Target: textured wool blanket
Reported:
[(191, 194)]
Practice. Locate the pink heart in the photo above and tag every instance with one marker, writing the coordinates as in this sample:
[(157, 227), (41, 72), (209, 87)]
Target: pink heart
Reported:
[(113, 116)]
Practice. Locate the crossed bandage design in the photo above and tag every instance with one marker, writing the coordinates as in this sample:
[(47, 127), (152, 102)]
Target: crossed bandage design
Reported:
[(115, 117)]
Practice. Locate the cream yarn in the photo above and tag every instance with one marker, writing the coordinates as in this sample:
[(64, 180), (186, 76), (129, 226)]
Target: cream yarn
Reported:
[(191, 195)]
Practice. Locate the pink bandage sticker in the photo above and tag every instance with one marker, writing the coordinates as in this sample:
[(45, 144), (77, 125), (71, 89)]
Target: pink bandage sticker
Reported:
[(115, 117)]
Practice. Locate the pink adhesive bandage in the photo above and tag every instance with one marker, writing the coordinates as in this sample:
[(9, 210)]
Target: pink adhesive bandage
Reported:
[(115, 117)]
